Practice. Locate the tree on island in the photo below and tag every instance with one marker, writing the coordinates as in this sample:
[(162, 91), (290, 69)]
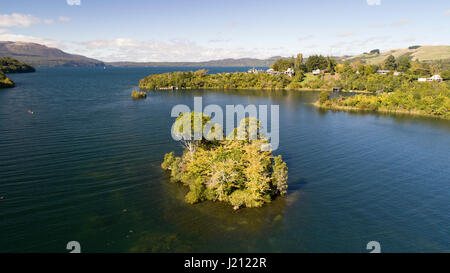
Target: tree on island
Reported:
[(234, 170), (189, 127)]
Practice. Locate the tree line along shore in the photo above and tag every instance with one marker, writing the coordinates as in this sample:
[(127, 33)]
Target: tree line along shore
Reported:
[(396, 85)]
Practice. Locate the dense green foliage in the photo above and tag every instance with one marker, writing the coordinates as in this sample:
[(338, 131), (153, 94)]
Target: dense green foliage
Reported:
[(313, 62), (326, 64), (445, 74), (403, 64), (200, 79), (138, 94), (358, 76), (10, 65), (283, 64), (235, 170), (5, 82), (295, 63), (324, 97), (390, 63), (431, 98), (426, 98), (349, 77), (400, 93)]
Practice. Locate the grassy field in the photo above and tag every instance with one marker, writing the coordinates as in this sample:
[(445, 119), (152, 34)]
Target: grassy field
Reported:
[(423, 53)]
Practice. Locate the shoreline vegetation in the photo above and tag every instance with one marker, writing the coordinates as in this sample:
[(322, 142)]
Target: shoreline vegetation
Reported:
[(236, 170), (398, 85), (380, 110), (5, 82), (237, 80), (10, 65), (430, 99)]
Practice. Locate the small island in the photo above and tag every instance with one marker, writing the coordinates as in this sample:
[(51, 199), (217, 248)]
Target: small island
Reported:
[(234, 170), (138, 94), (10, 65)]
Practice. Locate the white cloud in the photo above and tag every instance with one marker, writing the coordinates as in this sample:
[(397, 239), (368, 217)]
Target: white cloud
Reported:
[(400, 22), (26, 20), (6, 35), (74, 2), (48, 21), (175, 50), (213, 41), (17, 20), (305, 38), (373, 2), (356, 46), (346, 34), (394, 24), (447, 13), (64, 19), (409, 39)]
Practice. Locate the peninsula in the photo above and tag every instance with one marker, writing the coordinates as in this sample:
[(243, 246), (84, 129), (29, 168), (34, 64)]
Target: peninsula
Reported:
[(400, 84), (10, 65), (5, 82)]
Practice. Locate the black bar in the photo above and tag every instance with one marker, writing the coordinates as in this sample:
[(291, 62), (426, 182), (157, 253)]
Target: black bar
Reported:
[(264, 262)]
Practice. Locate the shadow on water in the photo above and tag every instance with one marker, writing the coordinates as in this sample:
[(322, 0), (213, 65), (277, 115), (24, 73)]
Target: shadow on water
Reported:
[(296, 185), (207, 225)]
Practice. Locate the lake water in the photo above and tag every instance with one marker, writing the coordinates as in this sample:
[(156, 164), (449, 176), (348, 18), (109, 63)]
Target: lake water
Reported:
[(86, 167)]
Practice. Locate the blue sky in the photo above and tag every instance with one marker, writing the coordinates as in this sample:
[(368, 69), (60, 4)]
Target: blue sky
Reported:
[(198, 30)]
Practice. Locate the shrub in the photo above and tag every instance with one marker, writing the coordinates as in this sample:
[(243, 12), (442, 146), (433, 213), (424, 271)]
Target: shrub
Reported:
[(138, 94), (323, 97)]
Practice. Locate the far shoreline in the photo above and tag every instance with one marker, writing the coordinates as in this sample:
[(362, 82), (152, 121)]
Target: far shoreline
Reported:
[(265, 89)]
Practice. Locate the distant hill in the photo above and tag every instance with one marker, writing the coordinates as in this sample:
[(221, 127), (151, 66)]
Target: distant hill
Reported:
[(250, 62), (420, 53), (41, 55)]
